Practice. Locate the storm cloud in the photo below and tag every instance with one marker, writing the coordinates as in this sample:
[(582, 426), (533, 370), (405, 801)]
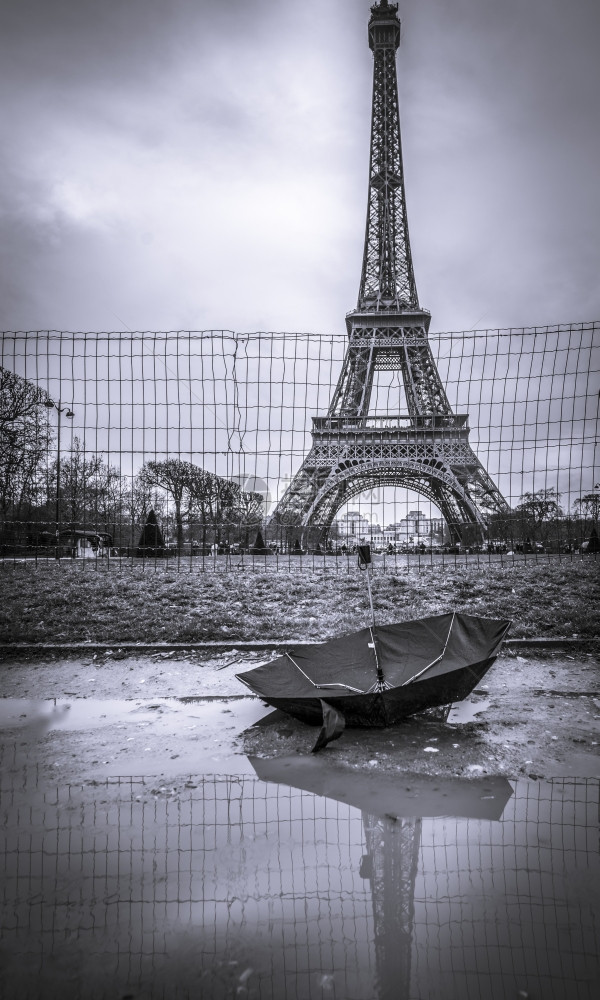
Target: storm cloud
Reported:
[(204, 164)]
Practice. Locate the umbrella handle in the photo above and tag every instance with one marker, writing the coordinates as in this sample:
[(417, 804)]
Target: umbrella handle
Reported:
[(364, 562), (370, 596), (381, 681)]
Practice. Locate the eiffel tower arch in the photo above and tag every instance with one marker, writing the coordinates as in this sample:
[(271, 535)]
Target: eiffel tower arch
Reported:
[(426, 448)]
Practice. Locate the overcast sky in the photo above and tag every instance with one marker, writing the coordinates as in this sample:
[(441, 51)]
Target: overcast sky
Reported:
[(203, 163)]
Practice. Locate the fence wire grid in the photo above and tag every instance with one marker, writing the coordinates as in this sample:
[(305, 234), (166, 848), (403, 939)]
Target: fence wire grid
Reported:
[(185, 445), (233, 887)]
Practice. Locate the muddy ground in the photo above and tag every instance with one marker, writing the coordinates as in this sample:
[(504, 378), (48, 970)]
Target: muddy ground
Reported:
[(84, 719)]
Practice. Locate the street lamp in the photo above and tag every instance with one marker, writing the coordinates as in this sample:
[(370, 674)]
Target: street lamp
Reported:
[(68, 412)]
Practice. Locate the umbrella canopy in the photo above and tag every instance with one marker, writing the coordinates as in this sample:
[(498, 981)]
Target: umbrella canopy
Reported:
[(382, 674)]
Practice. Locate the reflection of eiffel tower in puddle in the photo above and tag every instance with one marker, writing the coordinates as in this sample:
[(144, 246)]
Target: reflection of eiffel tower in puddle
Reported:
[(391, 865), (392, 814), (427, 449)]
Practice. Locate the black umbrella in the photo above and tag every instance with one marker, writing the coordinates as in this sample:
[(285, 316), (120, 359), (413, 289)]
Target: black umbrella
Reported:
[(382, 674), (425, 663)]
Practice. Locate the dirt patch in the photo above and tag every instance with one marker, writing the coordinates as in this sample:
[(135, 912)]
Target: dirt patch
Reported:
[(114, 675)]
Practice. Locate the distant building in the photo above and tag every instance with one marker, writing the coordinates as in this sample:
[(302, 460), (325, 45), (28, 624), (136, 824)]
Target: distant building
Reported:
[(415, 529), (353, 526)]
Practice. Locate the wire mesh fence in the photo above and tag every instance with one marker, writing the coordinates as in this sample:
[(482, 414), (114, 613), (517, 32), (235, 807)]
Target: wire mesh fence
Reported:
[(222, 449), (232, 887)]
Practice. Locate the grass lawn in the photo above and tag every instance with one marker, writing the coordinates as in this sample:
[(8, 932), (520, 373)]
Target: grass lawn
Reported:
[(76, 603)]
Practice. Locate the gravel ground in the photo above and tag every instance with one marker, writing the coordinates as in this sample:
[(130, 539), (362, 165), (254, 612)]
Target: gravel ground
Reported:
[(534, 716)]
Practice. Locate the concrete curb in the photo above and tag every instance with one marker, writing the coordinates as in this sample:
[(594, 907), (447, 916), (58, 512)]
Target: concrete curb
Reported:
[(227, 645)]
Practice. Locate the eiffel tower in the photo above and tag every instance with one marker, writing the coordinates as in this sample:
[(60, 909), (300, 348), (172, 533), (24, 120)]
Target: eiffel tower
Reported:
[(427, 449)]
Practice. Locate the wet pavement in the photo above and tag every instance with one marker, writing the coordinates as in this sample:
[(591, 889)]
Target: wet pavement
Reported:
[(190, 847)]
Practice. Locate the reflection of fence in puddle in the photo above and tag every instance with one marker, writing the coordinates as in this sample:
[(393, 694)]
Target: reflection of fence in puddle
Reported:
[(124, 887)]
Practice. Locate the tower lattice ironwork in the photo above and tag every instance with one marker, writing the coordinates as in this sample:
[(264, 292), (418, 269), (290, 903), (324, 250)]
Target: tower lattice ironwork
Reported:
[(426, 449)]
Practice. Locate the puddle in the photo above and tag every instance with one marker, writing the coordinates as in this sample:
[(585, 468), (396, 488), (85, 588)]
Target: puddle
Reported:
[(317, 882), (468, 710), (119, 737), (70, 715)]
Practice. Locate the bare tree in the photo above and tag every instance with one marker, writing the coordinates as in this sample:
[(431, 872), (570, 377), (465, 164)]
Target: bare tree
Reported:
[(25, 439), (200, 499), (90, 494), (588, 506), (221, 505), (214, 504), (250, 507), (19, 398), (539, 513), (174, 477), (204, 492)]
